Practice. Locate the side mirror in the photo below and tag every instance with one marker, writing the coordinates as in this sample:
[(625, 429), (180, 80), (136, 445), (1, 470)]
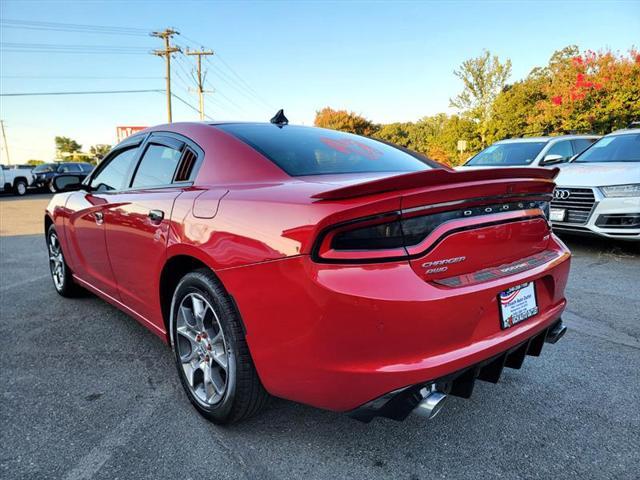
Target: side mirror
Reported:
[(67, 183), (551, 159)]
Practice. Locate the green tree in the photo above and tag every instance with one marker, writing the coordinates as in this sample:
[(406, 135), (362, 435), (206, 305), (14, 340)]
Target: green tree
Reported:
[(35, 162), (344, 121), (397, 133), (65, 145), (483, 79), (513, 112), (99, 151)]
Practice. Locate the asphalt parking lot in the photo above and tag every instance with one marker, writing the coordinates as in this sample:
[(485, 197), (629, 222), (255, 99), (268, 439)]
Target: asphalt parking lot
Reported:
[(89, 393)]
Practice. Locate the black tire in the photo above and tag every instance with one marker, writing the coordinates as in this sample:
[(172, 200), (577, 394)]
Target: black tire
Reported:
[(66, 286), (20, 187), (244, 394)]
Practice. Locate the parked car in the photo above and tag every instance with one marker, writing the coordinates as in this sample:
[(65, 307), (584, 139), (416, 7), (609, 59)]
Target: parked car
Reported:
[(16, 180), (531, 151), (599, 191), (45, 173), (315, 265)]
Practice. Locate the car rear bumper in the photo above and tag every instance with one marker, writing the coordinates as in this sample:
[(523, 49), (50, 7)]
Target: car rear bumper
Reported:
[(339, 336), (398, 404)]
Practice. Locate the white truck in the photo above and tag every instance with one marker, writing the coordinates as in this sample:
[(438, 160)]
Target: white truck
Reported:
[(15, 179)]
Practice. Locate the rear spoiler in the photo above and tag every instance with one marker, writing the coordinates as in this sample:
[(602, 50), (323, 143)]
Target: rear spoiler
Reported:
[(430, 178)]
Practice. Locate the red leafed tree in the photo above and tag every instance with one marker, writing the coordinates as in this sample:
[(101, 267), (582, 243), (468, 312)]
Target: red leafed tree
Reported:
[(590, 91)]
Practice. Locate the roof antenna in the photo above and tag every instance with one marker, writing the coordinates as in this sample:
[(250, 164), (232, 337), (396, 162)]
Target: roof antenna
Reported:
[(279, 119)]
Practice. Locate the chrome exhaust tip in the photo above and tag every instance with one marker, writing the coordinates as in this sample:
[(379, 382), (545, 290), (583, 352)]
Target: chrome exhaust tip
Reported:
[(556, 332), (431, 403)]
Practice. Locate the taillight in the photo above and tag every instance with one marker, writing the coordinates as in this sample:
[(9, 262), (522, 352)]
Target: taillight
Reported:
[(386, 237), (375, 237)]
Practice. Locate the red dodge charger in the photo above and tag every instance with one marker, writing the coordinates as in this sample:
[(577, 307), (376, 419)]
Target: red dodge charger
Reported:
[(314, 265)]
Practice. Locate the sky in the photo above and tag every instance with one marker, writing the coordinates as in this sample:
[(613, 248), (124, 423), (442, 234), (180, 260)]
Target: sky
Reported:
[(389, 61)]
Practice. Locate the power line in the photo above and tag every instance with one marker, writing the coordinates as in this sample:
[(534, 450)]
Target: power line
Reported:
[(72, 27), (188, 104), (72, 46), (75, 77), (242, 81), (93, 92)]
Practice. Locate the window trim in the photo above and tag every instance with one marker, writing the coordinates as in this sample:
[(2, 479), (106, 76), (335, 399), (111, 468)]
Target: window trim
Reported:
[(141, 142), (128, 143), (171, 140)]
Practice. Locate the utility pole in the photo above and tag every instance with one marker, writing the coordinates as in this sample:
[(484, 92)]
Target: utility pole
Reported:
[(201, 91), (168, 50), (6, 145)]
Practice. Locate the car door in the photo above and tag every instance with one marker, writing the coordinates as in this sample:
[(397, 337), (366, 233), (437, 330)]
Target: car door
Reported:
[(86, 210), (138, 219)]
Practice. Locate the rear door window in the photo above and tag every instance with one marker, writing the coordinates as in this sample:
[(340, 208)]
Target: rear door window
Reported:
[(157, 167)]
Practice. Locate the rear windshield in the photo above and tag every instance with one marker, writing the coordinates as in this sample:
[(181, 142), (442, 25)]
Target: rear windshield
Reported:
[(506, 154), (316, 151), (613, 148)]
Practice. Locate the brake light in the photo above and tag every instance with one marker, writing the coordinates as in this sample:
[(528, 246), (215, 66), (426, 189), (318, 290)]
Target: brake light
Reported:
[(386, 237)]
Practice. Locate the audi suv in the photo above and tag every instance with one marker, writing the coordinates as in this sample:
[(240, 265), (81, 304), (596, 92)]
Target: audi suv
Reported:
[(599, 191)]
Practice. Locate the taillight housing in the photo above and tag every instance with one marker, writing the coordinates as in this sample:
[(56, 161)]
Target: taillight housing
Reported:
[(386, 237)]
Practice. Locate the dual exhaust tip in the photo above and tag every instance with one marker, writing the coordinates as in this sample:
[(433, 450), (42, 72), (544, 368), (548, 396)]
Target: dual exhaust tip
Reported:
[(431, 403)]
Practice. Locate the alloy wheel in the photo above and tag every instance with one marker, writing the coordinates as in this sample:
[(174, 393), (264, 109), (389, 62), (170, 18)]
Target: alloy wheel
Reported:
[(202, 349), (56, 261)]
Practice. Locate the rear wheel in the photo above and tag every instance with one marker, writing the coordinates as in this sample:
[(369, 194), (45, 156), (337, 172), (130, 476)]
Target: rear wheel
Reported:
[(20, 187), (211, 353), (60, 272)]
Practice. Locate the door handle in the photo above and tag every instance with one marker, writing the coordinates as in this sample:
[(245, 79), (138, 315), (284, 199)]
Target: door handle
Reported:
[(99, 216), (156, 215)]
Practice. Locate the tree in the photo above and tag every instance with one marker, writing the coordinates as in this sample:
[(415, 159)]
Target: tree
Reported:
[(483, 78), (397, 133), (99, 151), (35, 162), (590, 92), (66, 145), (344, 121), (513, 112)]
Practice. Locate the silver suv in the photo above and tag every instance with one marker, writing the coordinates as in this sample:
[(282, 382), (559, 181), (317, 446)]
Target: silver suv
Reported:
[(531, 151)]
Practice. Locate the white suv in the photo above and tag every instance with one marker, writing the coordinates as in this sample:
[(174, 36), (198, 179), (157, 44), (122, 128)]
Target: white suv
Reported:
[(530, 151), (599, 190)]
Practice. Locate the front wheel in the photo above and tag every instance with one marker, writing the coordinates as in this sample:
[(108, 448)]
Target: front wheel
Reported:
[(211, 353), (52, 187), (60, 272)]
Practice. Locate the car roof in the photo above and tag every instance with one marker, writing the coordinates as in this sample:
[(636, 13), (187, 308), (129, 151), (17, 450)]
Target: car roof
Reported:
[(546, 139), (624, 131)]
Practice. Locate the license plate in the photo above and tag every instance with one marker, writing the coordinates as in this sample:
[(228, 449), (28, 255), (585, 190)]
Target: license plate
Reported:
[(557, 214), (517, 304)]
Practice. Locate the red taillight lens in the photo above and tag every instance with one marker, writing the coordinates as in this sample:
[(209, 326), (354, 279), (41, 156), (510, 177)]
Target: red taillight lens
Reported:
[(373, 238), (388, 236)]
